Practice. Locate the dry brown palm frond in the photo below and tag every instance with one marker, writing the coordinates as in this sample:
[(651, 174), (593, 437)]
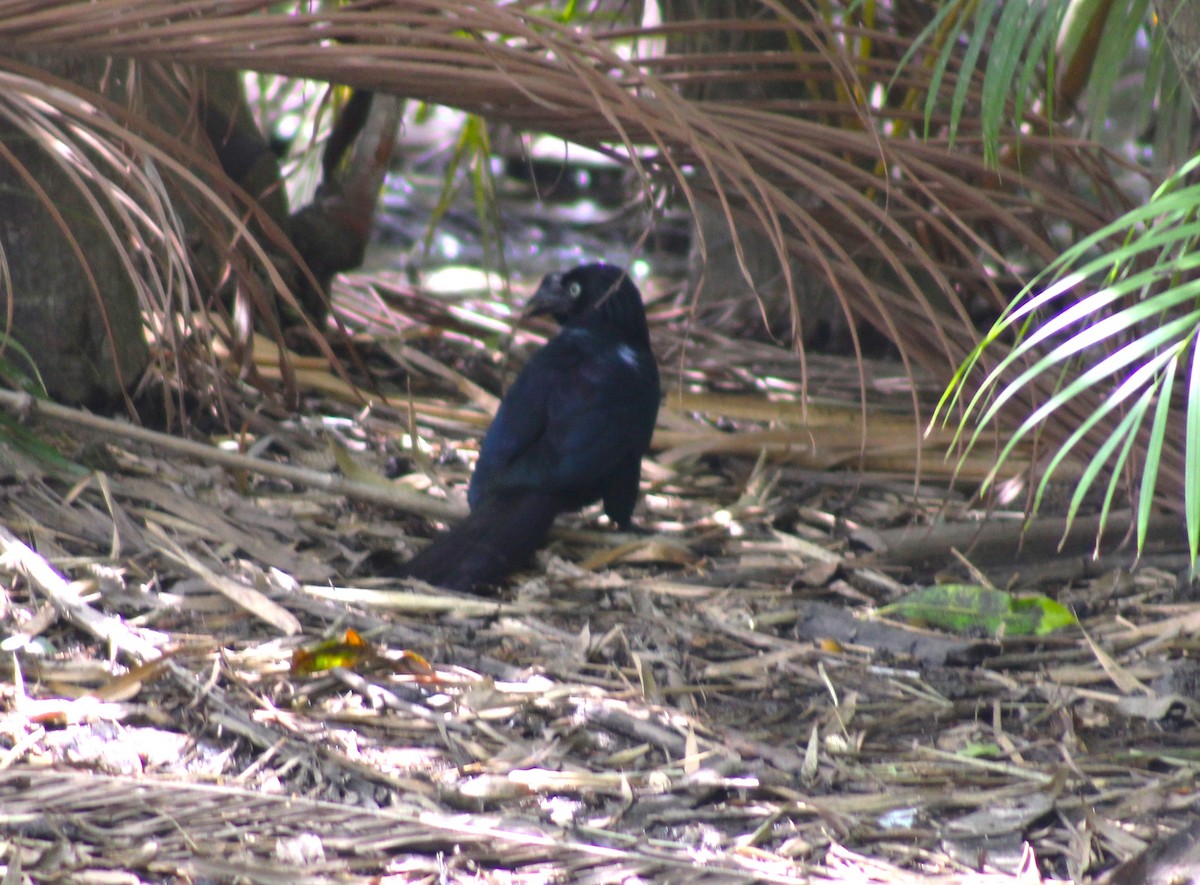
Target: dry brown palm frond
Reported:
[(907, 233), (129, 176), (130, 200), (814, 184), (158, 197)]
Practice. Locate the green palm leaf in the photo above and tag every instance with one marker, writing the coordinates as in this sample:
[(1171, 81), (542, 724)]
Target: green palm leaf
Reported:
[(1124, 340)]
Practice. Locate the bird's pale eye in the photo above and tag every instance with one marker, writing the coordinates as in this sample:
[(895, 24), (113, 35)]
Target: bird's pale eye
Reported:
[(574, 290)]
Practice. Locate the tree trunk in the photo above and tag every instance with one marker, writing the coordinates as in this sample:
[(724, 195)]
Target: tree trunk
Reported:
[(750, 295), (74, 307)]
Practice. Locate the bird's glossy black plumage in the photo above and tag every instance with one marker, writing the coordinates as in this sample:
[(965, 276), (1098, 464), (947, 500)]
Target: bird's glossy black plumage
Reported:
[(571, 430)]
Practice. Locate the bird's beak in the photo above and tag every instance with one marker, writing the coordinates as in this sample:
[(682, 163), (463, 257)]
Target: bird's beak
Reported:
[(550, 297)]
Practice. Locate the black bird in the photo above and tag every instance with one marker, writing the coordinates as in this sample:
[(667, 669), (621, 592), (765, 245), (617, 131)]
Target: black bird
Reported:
[(571, 430)]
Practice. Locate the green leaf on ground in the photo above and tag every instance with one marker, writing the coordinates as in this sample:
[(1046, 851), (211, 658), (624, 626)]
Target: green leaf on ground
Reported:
[(961, 608)]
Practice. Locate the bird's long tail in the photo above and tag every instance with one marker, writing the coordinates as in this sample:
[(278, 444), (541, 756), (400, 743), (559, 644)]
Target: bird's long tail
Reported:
[(500, 535)]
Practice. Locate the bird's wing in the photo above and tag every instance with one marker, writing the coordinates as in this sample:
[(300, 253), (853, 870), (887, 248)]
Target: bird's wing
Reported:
[(519, 424), (604, 413), (571, 417)]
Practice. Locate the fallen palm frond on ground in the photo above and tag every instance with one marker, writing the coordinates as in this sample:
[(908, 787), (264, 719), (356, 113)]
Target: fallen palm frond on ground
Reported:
[(713, 701)]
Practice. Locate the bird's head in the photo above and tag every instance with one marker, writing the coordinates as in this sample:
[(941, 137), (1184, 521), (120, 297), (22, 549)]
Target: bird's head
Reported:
[(591, 294)]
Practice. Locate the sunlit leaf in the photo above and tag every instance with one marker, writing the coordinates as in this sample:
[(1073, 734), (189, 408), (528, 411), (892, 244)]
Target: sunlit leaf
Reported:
[(1191, 461), (962, 608), (351, 652), (1154, 447)]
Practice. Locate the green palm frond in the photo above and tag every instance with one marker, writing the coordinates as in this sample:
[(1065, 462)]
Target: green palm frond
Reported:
[(1001, 59), (470, 163), (1115, 318)]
